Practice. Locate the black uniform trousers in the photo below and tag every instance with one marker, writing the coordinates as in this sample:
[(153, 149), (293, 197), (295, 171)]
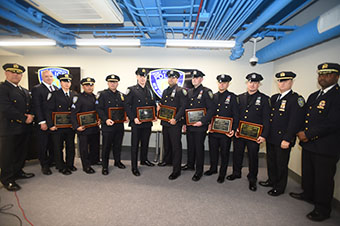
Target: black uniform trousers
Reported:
[(172, 144), (318, 173), (277, 166), (13, 151), (142, 136), (112, 139), (195, 140), (88, 149), (253, 149), (219, 144), (58, 144), (45, 148)]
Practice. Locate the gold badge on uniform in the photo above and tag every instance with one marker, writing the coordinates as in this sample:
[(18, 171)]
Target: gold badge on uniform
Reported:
[(283, 105), (322, 104), (258, 101)]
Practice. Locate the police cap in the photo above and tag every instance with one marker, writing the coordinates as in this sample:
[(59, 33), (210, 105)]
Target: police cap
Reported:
[(65, 77), (87, 81), (223, 78), (172, 73), (141, 72), (15, 68), (254, 77), (285, 75), (327, 68), (112, 78), (197, 73)]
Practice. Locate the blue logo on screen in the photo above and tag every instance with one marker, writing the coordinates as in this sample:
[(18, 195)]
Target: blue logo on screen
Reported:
[(159, 80), (55, 71)]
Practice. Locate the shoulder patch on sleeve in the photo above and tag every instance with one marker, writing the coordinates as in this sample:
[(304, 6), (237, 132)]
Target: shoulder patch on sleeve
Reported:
[(75, 99), (49, 95), (184, 91), (127, 91), (301, 101), (211, 95)]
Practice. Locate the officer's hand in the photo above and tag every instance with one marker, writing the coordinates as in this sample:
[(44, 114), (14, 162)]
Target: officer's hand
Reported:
[(302, 136), (158, 107), (230, 134), (99, 121), (109, 122), (137, 122), (53, 128), (285, 144), (173, 121), (184, 128), (155, 120), (260, 140), (198, 124), (81, 128), (237, 133), (43, 126), (29, 119), (209, 128)]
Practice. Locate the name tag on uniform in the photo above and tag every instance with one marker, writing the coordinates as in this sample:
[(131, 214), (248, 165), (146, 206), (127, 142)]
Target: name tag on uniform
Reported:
[(283, 105)]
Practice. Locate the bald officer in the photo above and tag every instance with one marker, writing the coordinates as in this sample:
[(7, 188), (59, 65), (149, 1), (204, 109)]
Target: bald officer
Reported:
[(173, 96), (85, 102), (139, 95), (286, 118), (219, 143), (15, 118), (320, 143), (254, 107), (198, 97), (113, 132)]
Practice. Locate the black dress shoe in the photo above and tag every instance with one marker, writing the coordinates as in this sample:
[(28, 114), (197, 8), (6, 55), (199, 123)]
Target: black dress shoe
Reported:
[(65, 171), (99, 163), (147, 163), (266, 183), (162, 164), (210, 172), (274, 192), (46, 171), (186, 167), (196, 177), (233, 177), (300, 196), (136, 172), (12, 186), (89, 170), (316, 216), (120, 165), (23, 175), (252, 186), (105, 171), (72, 168), (174, 176), (220, 179)]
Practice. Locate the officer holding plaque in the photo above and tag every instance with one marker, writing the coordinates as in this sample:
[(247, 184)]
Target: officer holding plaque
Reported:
[(111, 101), (84, 122), (58, 118), (140, 107), (220, 137), (174, 97), (200, 108), (254, 109), (286, 118)]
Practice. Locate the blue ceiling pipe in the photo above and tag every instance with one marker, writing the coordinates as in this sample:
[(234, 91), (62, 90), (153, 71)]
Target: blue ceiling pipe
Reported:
[(267, 14), (303, 37)]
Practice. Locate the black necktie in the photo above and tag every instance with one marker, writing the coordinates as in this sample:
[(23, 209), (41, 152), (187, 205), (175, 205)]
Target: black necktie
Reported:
[(51, 89), (67, 96), (278, 98), (320, 94)]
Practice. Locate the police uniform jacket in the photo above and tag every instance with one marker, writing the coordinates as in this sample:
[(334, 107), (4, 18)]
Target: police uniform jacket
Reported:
[(286, 118), (58, 102), (39, 98), (227, 106), (106, 100), (257, 111), (201, 97), (83, 103), (175, 97), (14, 104), (322, 123), (137, 96)]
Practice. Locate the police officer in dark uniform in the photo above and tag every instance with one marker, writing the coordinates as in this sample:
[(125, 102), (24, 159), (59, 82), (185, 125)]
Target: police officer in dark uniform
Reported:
[(139, 95), (88, 137), (61, 101), (255, 108), (227, 106), (113, 132), (173, 96), (39, 97), (15, 120), (198, 97), (320, 143), (286, 118)]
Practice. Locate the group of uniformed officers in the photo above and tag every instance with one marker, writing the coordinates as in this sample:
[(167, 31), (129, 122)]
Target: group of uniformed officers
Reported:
[(282, 117)]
